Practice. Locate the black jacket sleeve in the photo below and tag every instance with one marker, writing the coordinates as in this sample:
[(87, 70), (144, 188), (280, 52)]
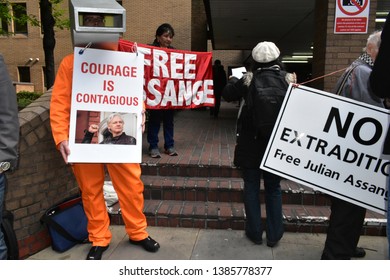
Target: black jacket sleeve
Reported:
[(87, 137), (234, 90)]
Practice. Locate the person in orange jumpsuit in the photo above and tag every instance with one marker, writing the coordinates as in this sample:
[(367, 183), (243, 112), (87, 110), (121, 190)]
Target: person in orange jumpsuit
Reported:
[(126, 177)]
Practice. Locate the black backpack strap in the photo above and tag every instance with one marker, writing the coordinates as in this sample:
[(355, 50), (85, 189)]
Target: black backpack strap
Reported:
[(345, 78)]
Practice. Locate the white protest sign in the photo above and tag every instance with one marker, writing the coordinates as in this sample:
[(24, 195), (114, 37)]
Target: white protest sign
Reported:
[(106, 82), (332, 144), (351, 16), (238, 72)]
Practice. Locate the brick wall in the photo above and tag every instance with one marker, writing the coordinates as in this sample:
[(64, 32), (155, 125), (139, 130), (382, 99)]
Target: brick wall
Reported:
[(41, 180), (143, 18), (198, 26)]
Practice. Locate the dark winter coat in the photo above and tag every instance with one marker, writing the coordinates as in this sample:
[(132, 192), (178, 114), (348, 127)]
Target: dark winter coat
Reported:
[(380, 75), (219, 78), (250, 147)]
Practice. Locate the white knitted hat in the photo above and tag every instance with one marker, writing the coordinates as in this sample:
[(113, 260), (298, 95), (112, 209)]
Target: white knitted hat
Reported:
[(265, 52)]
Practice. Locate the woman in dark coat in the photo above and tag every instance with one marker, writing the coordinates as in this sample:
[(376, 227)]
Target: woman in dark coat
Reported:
[(163, 39), (251, 146)]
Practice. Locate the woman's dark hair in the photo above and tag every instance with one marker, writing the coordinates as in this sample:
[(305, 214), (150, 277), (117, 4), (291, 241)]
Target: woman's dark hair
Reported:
[(165, 27)]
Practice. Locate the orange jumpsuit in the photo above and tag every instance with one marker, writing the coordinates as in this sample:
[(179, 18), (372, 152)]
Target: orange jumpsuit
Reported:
[(126, 177)]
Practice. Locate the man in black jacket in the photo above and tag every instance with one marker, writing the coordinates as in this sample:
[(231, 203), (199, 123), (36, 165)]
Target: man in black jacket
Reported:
[(380, 85), (113, 134), (219, 78)]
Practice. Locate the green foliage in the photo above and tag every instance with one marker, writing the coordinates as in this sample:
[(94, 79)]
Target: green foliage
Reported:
[(58, 15), (6, 15), (25, 98)]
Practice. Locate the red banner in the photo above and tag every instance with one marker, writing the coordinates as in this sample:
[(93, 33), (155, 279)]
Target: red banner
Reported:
[(174, 79)]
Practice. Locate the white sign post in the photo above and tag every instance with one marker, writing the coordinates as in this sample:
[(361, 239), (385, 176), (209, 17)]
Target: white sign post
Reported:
[(332, 144), (106, 82)]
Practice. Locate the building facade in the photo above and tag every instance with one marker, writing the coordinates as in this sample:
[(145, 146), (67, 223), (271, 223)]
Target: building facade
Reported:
[(24, 55)]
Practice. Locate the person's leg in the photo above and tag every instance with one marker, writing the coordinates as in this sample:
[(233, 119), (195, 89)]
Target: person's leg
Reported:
[(169, 142), (273, 206), (212, 109), (90, 177), (154, 121), (3, 246), (345, 225), (253, 227), (217, 104), (126, 179), (168, 129)]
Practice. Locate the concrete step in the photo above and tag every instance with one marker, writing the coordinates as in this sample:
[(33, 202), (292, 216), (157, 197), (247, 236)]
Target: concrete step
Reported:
[(216, 203), (182, 169), (231, 215), (218, 189)]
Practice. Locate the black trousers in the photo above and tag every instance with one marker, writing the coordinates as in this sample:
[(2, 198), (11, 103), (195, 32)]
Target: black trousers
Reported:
[(345, 226)]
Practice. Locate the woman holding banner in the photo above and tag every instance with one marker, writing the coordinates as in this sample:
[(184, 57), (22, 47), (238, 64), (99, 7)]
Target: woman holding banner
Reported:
[(164, 36)]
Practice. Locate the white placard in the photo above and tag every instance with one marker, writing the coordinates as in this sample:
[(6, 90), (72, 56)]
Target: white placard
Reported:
[(332, 144), (106, 82), (238, 72)]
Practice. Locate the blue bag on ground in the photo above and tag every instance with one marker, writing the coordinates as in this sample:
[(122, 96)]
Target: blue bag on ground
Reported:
[(67, 224)]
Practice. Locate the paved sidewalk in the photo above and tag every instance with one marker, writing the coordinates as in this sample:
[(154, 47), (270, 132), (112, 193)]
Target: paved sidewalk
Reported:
[(208, 244)]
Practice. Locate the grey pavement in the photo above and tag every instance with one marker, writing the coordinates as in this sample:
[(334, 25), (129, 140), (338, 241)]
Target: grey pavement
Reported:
[(211, 244)]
